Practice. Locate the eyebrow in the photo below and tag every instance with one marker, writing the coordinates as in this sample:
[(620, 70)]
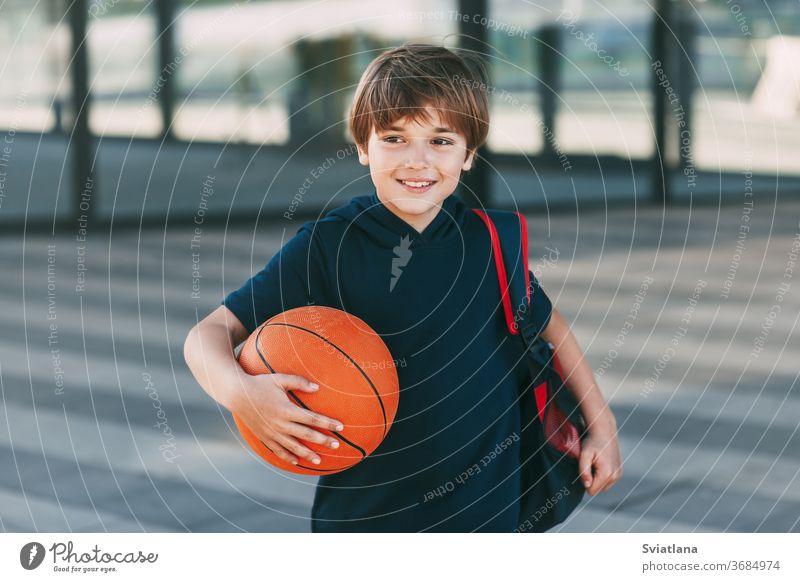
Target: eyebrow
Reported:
[(435, 129)]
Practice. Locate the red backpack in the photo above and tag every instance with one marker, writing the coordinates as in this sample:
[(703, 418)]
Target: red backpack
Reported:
[(552, 426)]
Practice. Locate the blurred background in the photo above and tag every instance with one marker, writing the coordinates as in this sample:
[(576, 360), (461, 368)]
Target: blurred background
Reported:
[(156, 153)]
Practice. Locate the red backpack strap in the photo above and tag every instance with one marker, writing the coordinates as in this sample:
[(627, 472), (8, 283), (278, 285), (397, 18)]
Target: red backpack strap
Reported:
[(508, 232)]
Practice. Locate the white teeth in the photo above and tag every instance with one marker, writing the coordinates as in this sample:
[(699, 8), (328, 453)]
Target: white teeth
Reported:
[(417, 184)]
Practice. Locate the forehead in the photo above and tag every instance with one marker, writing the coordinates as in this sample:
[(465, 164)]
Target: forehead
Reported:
[(428, 119)]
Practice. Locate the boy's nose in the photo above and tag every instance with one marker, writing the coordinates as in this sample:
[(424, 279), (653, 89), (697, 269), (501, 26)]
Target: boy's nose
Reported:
[(417, 155)]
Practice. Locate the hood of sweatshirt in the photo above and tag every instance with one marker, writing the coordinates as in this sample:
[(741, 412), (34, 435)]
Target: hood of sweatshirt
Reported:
[(384, 228)]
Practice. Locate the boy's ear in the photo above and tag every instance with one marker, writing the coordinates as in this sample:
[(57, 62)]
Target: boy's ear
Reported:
[(467, 165), (363, 158)]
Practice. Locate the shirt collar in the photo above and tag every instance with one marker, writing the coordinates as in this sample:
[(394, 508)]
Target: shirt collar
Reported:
[(447, 219)]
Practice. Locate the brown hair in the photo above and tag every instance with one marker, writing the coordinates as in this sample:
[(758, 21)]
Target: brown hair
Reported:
[(400, 82)]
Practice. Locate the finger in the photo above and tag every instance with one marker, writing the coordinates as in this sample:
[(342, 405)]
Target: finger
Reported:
[(280, 452), (293, 446), (307, 434), (585, 469), (600, 481), (606, 485), (302, 416), (294, 382)]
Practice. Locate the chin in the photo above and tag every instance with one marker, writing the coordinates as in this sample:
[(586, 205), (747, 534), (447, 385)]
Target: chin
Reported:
[(414, 206)]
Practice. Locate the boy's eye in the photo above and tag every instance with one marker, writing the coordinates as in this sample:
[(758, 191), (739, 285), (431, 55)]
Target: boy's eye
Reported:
[(398, 139)]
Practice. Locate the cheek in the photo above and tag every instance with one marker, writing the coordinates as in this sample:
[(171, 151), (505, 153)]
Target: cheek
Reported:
[(452, 161), (377, 164), (386, 160), (451, 169)]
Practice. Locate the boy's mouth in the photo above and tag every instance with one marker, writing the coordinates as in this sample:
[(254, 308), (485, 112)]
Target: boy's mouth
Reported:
[(417, 185)]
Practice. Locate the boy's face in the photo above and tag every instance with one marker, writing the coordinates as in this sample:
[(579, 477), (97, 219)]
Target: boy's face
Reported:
[(415, 165)]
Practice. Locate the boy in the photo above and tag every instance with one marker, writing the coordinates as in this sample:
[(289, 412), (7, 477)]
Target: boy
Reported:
[(414, 263)]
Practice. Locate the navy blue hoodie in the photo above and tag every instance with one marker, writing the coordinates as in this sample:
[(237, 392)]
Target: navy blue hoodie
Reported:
[(450, 461)]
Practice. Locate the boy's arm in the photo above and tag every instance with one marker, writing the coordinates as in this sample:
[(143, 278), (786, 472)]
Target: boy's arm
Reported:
[(260, 401), (209, 353), (600, 448)]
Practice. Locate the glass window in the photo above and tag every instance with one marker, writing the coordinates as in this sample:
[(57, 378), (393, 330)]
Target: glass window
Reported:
[(607, 102), (123, 57), (602, 96), (747, 103), (514, 70), (285, 72), (36, 43), (603, 93)]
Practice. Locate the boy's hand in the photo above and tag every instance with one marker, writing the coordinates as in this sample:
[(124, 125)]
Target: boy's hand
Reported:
[(600, 451), (263, 405)]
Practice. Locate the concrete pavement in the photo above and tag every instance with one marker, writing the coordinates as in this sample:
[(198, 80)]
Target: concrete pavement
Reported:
[(104, 429)]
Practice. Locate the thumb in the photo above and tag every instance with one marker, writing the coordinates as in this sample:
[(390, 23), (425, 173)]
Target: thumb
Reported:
[(293, 382), (585, 469)]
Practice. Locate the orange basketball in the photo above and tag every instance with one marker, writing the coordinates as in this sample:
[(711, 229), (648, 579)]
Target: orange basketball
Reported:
[(354, 369)]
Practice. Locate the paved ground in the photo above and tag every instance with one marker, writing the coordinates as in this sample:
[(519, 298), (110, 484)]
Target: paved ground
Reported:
[(103, 428)]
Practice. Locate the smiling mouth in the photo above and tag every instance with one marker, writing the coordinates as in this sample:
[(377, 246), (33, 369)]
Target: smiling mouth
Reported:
[(417, 184)]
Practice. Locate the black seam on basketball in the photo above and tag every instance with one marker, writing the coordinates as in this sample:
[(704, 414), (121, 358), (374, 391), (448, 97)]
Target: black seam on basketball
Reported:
[(298, 464), (258, 350), (303, 404), (347, 441), (264, 361), (371, 385)]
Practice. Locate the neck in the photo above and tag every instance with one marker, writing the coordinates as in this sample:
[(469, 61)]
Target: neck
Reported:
[(418, 222), (421, 222)]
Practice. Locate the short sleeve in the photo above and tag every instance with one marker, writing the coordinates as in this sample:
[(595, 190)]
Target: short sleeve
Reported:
[(284, 283), (541, 307)]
